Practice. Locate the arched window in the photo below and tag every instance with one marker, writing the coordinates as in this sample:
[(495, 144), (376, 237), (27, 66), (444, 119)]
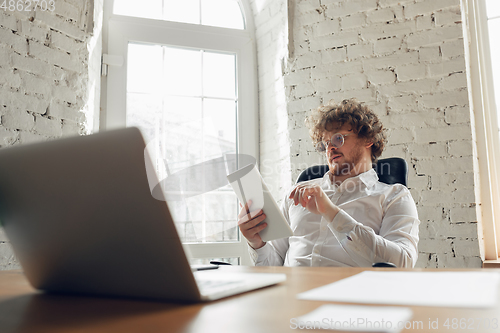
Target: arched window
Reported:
[(184, 73), (217, 13)]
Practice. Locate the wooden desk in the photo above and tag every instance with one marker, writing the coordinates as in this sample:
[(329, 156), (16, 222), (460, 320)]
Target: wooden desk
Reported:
[(23, 309)]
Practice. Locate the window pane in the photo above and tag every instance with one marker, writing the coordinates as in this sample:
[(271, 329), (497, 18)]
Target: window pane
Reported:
[(218, 13), (182, 125), (144, 64), (193, 222), (144, 111), (220, 214), (186, 11), (493, 8), (182, 110), (183, 71), (145, 8), (221, 205), (223, 112), (222, 13), (167, 101), (190, 140), (219, 76)]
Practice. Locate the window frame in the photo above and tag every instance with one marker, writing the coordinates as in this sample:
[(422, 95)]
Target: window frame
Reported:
[(119, 30), (486, 138)]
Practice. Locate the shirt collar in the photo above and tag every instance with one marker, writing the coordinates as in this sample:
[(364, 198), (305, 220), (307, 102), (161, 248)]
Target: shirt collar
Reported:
[(368, 178)]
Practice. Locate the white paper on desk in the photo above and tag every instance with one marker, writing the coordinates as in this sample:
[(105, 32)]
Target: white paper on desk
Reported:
[(355, 318), (449, 289)]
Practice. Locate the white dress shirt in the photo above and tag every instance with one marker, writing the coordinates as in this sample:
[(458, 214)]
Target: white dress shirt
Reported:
[(376, 223)]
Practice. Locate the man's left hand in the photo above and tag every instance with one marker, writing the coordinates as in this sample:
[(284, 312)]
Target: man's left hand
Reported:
[(315, 200)]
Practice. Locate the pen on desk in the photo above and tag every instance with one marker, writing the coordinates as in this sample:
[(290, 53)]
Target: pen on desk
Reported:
[(216, 262)]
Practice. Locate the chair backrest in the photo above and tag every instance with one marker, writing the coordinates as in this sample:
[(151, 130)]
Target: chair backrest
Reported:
[(393, 170)]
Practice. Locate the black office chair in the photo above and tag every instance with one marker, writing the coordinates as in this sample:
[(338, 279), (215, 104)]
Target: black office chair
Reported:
[(393, 170)]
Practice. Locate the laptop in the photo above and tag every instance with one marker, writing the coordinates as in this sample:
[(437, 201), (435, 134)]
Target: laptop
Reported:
[(81, 219)]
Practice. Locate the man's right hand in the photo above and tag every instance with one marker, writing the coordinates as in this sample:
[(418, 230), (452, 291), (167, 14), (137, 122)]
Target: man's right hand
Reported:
[(248, 221)]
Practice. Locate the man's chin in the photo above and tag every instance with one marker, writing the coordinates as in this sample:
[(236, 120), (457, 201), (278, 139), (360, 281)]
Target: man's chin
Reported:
[(334, 169), (335, 163), (341, 169)]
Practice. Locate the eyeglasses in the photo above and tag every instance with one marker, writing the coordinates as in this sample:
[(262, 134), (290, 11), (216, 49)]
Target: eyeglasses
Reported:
[(337, 141)]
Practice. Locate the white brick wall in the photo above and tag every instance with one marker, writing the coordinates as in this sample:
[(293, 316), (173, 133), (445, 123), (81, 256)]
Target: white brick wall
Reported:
[(44, 77), (270, 17), (404, 58)]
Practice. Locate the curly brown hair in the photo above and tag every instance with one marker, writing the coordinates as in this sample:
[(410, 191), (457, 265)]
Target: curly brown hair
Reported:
[(365, 123)]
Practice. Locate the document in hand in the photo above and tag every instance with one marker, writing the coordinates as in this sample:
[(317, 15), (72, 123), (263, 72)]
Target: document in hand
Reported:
[(449, 289), (248, 184)]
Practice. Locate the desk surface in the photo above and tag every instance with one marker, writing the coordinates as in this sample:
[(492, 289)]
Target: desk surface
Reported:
[(22, 309)]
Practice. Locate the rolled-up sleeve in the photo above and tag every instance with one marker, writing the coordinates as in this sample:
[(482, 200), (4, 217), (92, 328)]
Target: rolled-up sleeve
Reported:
[(267, 255)]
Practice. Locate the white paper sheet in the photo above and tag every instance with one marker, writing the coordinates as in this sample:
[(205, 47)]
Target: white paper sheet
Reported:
[(354, 318), (449, 289)]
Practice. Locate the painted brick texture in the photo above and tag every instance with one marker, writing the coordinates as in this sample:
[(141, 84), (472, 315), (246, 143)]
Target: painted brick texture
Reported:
[(270, 17), (406, 60), (43, 78)]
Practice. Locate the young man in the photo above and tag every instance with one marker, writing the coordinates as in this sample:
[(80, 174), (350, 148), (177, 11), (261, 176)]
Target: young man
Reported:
[(348, 217)]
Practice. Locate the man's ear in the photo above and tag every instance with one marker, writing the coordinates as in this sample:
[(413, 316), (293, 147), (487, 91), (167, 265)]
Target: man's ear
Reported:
[(369, 144)]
